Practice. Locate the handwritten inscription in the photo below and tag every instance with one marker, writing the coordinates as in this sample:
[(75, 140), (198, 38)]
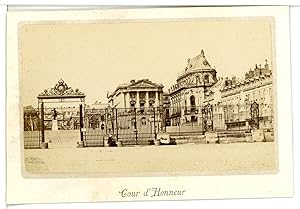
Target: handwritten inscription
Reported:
[(151, 192)]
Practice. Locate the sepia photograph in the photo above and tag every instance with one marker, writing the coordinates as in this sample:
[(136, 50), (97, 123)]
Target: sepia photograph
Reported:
[(148, 96), (148, 104)]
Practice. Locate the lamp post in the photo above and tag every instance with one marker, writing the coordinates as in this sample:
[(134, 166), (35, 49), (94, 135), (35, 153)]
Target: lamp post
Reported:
[(149, 120)]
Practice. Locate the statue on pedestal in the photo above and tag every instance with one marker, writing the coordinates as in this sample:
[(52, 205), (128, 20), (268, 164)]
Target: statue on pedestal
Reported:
[(54, 121), (54, 114)]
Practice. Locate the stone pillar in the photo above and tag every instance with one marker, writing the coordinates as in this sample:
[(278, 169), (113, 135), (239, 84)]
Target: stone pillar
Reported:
[(147, 100), (156, 99), (247, 125), (188, 101), (127, 100), (137, 99), (54, 125)]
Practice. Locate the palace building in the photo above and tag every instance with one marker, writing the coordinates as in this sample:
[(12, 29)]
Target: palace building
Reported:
[(231, 100), (136, 112), (199, 98), (136, 94), (188, 94), (134, 108)]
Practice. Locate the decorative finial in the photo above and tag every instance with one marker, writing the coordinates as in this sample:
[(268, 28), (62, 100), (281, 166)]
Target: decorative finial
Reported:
[(61, 81)]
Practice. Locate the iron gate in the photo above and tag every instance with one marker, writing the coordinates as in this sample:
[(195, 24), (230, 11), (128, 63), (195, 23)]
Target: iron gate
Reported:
[(130, 126)]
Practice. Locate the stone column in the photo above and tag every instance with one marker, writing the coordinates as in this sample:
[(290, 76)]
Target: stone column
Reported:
[(127, 100), (31, 123), (147, 100), (137, 99), (156, 99)]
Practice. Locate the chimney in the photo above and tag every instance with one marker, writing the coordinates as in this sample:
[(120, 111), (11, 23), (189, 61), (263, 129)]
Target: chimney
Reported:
[(233, 80), (266, 65), (132, 81)]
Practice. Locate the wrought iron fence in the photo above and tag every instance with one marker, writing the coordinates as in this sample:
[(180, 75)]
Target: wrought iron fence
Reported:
[(131, 126), (39, 120), (136, 126), (214, 117), (31, 139), (140, 125)]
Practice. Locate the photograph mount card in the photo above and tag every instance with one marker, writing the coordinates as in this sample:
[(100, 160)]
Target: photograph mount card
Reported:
[(149, 94)]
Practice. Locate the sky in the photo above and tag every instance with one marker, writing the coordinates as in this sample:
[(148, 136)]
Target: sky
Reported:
[(97, 57)]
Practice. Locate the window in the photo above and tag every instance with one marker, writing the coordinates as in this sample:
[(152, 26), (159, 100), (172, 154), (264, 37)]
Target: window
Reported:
[(133, 123), (193, 103), (143, 121), (167, 112), (206, 79), (193, 119), (198, 80), (102, 118), (142, 107)]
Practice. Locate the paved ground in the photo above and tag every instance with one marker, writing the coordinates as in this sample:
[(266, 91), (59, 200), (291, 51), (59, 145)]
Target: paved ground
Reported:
[(126, 160)]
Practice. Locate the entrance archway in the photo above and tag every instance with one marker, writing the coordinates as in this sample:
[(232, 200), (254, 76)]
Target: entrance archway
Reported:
[(60, 108)]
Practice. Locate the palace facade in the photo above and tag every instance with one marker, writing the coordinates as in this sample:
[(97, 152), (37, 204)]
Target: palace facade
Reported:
[(232, 100), (199, 98), (188, 94), (136, 94), (134, 107)]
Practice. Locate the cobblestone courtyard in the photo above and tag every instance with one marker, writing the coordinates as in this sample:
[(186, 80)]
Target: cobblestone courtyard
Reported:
[(136, 160)]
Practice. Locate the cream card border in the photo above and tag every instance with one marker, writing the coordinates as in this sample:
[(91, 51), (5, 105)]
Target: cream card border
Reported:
[(21, 190)]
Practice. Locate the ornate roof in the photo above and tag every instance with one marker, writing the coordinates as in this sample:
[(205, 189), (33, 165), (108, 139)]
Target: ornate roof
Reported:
[(61, 90), (198, 62)]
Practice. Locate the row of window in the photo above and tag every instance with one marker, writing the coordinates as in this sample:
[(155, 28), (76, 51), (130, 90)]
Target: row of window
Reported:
[(257, 96)]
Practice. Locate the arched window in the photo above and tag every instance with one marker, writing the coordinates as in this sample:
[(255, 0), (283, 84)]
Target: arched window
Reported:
[(192, 100), (206, 78), (198, 80), (193, 103), (143, 121)]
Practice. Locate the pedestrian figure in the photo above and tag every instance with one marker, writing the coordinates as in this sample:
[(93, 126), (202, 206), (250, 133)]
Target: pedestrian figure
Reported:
[(111, 142)]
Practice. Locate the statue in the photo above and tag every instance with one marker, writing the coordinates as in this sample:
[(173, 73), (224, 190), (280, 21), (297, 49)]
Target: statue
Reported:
[(54, 114), (54, 121)]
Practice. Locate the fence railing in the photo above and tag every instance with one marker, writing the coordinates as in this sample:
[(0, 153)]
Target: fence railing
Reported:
[(140, 125)]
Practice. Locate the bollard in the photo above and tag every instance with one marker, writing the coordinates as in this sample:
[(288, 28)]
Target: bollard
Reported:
[(157, 142), (119, 144), (44, 145)]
